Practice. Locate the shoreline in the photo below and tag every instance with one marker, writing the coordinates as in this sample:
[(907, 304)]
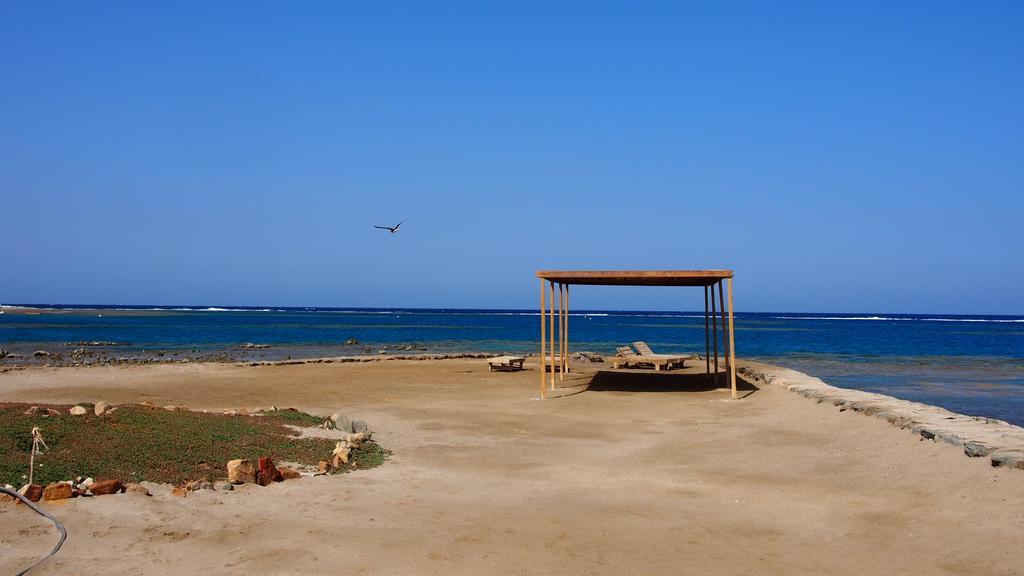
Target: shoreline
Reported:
[(978, 436)]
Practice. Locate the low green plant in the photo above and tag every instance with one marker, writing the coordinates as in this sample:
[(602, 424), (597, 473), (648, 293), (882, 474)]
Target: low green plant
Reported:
[(137, 442)]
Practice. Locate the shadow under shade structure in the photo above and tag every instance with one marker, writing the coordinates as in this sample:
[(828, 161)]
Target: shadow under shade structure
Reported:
[(606, 381)]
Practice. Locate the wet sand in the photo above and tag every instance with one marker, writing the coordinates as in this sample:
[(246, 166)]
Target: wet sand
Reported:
[(641, 473)]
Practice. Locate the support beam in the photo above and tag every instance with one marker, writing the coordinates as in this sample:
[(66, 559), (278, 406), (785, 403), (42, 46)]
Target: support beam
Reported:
[(707, 335), (732, 345), (721, 301), (714, 328), (561, 333), (552, 294), (565, 335), (543, 340)]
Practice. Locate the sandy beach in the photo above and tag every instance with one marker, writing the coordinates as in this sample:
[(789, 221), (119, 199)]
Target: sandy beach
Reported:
[(635, 475)]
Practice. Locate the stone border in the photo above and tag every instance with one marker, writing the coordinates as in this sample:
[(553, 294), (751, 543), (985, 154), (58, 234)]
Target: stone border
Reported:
[(1001, 442), (367, 358)]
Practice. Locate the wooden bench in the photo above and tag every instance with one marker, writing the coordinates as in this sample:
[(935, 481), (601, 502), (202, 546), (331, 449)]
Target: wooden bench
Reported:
[(506, 363)]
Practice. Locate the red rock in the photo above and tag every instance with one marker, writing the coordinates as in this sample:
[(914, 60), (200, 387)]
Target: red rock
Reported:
[(58, 491), (288, 473), (179, 491), (32, 491), (102, 487), (267, 472)]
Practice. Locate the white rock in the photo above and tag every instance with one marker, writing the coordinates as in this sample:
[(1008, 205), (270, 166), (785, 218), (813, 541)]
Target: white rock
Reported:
[(77, 411), (101, 408)]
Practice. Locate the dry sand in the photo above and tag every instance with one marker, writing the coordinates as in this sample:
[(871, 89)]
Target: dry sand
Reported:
[(634, 476)]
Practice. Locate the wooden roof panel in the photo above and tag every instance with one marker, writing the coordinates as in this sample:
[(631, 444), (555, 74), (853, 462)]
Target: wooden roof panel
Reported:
[(636, 277)]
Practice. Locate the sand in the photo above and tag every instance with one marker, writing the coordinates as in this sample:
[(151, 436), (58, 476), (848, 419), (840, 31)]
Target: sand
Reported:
[(633, 476)]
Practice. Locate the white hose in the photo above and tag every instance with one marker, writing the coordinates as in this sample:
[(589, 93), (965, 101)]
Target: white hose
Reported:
[(60, 527)]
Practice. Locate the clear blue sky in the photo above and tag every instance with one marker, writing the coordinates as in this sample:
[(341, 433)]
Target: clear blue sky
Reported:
[(865, 157)]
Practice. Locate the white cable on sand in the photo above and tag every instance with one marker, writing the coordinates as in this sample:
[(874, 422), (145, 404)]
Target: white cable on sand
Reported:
[(60, 527)]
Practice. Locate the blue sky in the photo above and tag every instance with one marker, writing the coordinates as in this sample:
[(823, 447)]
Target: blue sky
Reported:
[(865, 157)]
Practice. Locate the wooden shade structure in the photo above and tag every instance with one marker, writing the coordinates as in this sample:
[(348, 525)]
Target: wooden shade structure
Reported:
[(708, 279)]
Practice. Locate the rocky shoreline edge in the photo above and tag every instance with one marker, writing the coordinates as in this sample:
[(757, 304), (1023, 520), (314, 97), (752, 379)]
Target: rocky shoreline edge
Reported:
[(978, 437)]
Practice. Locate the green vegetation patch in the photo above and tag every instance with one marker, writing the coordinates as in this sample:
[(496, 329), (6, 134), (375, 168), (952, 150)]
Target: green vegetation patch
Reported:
[(136, 442)]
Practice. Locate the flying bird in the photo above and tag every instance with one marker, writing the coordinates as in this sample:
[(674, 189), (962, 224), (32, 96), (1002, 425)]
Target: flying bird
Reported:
[(391, 229)]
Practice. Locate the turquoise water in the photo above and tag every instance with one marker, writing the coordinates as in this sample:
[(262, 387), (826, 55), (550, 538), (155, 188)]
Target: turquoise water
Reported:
[(969, 364)]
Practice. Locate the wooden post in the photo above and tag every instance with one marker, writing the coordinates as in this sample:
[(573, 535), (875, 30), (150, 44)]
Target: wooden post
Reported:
[(707, 335), (565, 336), (543, 339), (721, 301), (714, 329), (563, 343), (552, 294), (561, 333), (732, 345)]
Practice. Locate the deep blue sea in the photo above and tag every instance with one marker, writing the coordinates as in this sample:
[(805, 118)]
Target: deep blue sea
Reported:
[(968, 364)]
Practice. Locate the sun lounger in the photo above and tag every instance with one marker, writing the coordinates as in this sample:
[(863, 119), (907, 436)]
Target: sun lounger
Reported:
[(627, 356), (672, 359), (505, 363)]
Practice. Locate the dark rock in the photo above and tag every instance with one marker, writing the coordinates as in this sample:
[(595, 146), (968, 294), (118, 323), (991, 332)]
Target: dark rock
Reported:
[(32, 491), (351, 342), (39, 353)]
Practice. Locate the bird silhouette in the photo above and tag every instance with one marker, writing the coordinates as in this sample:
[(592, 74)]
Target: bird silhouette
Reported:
[(391, 229)]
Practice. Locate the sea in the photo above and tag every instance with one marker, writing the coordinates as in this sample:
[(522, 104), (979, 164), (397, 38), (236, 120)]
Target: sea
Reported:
[(968, 364)]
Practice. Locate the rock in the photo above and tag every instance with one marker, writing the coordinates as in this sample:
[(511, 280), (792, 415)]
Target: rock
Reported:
[(170, 408), (356, 440), (77, 411), (267, 472), (100, 408), (58, 491), (323, 467), (288, 473), (32, 491), (351, 342), (133, 488), (1008, 458), (52, 412), (104, 487), (359, 426), (180, 492), (225, 486), (40, 353), (242, 412), (975, 449), (199, 485), (241, 471), (342, 422), (3, 354), (148, 403), (340, 454), (32, 411)]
